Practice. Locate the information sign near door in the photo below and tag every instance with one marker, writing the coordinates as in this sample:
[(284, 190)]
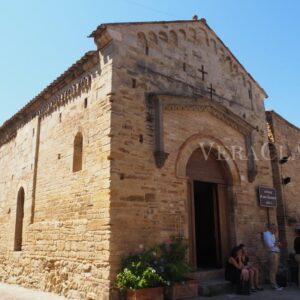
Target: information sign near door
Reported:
[(267, 197)]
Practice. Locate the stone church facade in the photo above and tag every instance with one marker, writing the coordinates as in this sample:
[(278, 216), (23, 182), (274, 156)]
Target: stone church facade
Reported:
[(116, 154)]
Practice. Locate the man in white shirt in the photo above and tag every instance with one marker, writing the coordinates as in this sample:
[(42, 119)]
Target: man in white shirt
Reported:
[(274, 254)]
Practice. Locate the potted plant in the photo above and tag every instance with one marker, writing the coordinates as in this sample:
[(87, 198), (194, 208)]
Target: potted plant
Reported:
[(175, 271), (139, 279), (144, 274)]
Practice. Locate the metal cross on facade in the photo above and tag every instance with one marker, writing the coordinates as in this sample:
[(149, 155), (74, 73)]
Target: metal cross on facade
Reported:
[(203, 72), (211, 91)]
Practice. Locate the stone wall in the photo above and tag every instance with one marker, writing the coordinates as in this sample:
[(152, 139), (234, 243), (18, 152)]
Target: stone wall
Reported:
[(286, 138), (78, 226), (150, 204), (66, 216)]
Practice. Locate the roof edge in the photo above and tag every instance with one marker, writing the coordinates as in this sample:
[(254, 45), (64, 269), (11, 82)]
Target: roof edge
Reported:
[(273, 112), (17, 118), (240, 64), (104, 25)]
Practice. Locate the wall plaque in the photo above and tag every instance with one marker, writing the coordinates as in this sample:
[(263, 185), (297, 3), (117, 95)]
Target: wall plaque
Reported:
[(267, 196)]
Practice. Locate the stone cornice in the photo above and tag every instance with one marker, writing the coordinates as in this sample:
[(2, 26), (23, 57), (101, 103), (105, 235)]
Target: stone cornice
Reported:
[(178, 102), (53, 96)]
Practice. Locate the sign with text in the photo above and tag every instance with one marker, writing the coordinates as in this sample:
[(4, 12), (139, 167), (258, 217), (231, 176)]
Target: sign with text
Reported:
[(267, 196)]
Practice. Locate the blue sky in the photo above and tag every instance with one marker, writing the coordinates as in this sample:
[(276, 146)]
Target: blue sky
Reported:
[(42, 38)]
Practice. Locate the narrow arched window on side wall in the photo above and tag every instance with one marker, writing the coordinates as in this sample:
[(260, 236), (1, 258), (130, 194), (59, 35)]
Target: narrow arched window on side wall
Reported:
[(78, 152), (19, 220)]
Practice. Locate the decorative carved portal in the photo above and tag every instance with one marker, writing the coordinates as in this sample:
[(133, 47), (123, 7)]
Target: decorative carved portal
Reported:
[(208, 180), (160, 103), (19, 220)]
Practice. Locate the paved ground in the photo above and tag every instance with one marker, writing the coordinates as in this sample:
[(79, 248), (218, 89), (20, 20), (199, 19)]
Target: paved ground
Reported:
[(14, 292), (290, 293)]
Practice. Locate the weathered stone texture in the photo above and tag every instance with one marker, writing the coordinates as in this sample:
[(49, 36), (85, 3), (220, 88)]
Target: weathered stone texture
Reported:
[(136, 221), (66, 230), (286, 138), (123, 200)]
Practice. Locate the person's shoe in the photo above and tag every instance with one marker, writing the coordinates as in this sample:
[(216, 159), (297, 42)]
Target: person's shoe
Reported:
[(277, 288), (253, 290), (259, 289)]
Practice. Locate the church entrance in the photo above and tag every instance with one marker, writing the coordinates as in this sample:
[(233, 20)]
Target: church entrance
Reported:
[(206, 225), (208, 211)]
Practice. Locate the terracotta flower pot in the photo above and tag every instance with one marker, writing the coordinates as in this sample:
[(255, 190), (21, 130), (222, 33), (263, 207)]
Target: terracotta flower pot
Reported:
[(187, 289), (146, 294)]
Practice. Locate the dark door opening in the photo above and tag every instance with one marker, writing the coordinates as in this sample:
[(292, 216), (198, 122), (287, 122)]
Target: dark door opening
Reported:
[(206, 225)]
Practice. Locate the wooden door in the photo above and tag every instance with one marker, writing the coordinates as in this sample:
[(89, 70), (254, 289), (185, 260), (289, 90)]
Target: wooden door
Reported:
[(217, 233), (223, 222), (191, 212)]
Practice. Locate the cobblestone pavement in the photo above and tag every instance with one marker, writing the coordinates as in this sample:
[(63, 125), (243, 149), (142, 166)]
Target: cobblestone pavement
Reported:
[(290, 293), (14, 292)]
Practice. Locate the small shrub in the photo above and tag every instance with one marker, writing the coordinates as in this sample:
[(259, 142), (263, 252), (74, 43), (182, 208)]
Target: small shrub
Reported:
[(173, 259), (138, 273), (161, 265)]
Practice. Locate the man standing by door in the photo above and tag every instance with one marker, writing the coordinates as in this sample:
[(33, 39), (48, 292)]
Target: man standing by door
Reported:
[(274, 254)]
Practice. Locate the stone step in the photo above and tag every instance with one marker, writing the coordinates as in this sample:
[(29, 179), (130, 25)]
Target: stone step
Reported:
[(214, 287), (208, 275)]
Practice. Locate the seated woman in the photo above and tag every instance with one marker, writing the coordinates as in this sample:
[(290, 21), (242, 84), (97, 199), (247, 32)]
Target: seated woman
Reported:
[(253, 271), (235, 271)]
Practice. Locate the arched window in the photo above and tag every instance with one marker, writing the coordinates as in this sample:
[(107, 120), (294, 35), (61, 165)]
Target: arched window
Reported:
[(78, 151), (19, 220)]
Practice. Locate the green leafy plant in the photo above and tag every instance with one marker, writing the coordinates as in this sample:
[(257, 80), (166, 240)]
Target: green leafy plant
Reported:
[(138, 273), (173, 261), (161, 265)]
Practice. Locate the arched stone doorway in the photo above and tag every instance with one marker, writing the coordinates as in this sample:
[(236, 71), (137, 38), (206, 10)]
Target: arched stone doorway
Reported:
[(211, 176)]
